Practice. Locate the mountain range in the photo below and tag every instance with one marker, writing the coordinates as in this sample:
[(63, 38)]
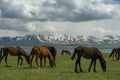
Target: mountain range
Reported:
[(38, 39)]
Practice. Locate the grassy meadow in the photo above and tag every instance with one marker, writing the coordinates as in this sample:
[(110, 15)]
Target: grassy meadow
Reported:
[(63, 71)]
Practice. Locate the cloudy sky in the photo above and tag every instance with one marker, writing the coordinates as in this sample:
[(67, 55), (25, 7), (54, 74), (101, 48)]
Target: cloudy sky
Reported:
[(71, 17)]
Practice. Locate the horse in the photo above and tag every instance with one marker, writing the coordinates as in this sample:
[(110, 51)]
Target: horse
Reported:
[(41, 51), (115, 53), (14, 51), (88, 53), (65, 51), (53, 51)]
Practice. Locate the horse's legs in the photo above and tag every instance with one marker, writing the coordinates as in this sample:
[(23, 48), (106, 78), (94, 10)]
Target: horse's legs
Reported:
[(78, 62), (118, 56), (95, 65), (37, 56), (40, 61), (80, 65), (76, 66), (44, 61), (91, 64), (2, 57), (18, 60), (115, 56), (31, 60), (21, 60), (6, 59)]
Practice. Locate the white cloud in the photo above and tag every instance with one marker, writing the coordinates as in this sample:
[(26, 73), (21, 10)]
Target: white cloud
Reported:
[(73, 17), (99, 30), (30, 27), (11, 33), (50, 28)]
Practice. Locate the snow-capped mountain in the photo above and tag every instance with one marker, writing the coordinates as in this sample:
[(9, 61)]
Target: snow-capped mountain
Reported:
[(35, 39)]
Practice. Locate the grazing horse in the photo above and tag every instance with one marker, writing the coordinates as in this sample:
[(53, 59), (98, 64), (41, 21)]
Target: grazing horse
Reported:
[(14, 51), (88, 53), (53, 51), (41, 51), (115, 53), (65, 51)]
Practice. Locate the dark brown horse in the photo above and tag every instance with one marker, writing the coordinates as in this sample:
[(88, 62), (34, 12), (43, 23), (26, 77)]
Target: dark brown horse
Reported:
[(115, 53), (13, 51), (65, 51), (88, 53), (41, 51), (53, 51)]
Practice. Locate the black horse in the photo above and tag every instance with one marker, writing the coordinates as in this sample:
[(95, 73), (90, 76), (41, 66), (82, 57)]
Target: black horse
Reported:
[(53, 51), (88, 53), (115, 54)]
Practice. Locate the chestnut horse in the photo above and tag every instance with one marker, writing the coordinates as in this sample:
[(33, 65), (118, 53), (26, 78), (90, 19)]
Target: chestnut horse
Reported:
[(13, 51), (115, 53), (53, 51), (88, 53), (65, 51), (41, 51)]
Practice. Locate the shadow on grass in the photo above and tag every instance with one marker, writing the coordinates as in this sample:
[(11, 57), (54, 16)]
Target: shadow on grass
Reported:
[(67, 72), (78, 72), (7, 66)]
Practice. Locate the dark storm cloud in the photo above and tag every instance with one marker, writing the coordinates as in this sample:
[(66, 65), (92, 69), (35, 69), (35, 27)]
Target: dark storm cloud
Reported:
[(17, 25), (10, 10)]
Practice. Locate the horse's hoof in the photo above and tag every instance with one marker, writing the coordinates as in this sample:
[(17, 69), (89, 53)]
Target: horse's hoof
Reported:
[(88, 70), (72, 58), (76, 72), (81, 70)]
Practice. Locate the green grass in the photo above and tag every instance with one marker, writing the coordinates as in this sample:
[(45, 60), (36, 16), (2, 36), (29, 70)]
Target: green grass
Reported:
[(63, 71)]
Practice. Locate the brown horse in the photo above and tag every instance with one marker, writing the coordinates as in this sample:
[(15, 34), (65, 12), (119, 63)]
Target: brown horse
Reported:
[(65, 51), (53, 51), (88, 53), (115, 53), (13, 51), (41, 51)]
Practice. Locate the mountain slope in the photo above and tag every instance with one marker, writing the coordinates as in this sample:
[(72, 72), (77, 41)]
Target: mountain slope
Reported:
[(35, 39)]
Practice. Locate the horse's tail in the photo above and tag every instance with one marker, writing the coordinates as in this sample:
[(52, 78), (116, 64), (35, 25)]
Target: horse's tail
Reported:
[(1, 50), (111, 53), (73, 54)]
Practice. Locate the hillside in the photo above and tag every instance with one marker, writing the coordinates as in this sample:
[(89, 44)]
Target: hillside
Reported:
[(35, 39)]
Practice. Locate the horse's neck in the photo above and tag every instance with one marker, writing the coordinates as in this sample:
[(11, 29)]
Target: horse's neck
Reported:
[(50, 56), (101, 59), (26, 55)]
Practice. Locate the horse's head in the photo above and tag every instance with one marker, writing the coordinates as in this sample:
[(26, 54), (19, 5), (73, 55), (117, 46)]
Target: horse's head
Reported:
[(103, 65), (114, 51), (52, 62), (28, 59)]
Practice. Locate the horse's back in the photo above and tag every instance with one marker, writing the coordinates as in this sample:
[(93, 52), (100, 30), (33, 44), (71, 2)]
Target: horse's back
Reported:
[(41, 50), (89, 51)]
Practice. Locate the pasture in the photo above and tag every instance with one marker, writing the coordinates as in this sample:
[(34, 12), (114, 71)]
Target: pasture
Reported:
[(63, 71)]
